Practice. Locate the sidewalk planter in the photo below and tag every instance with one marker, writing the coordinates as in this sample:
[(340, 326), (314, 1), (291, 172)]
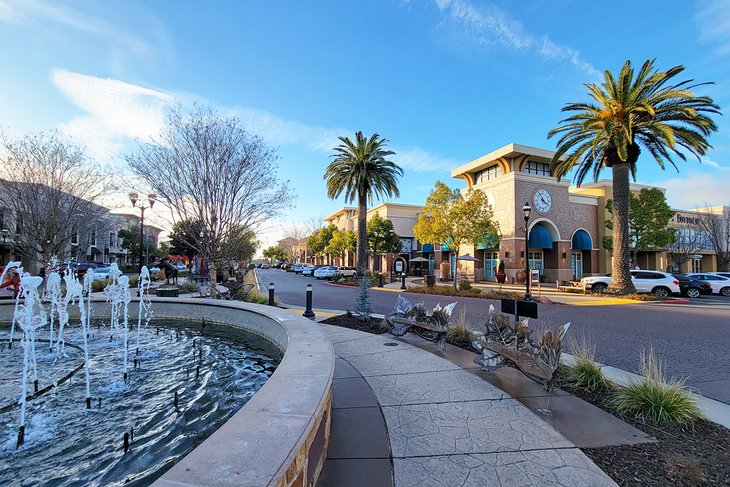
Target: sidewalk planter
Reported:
[(521, 277), (501, 277), (168, 292)]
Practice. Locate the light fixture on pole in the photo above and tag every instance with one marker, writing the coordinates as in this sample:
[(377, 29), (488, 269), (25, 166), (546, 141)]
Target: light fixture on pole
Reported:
[(526, 211), (138, 203)]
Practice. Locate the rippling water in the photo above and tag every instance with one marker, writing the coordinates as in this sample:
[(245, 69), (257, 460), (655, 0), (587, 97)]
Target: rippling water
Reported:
[(68, 445)]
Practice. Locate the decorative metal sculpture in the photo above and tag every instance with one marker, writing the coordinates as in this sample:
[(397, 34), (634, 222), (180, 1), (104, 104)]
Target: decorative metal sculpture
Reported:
[(429, 325), (503, 343)]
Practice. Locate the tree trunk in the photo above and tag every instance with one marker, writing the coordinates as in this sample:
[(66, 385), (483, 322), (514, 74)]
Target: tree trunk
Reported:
[(362, 236), (620, 275)]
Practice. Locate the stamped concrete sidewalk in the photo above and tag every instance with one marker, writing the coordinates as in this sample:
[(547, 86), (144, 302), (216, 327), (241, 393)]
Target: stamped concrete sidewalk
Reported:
[(444, 425)]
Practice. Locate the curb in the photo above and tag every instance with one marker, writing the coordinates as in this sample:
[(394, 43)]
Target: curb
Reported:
[(676, 301)]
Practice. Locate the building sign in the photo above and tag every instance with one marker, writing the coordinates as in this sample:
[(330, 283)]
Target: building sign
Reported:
[(688, 220)]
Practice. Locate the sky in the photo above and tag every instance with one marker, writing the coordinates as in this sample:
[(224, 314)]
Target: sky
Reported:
[(445, 81)]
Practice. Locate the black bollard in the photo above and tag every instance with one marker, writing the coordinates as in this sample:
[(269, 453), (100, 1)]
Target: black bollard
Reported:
[(271, 294), (88, 403), (21, 436), (158, 332), (35, 385), (193, 344), (380, 279), (126, 442), (137, 352), (403, 281), (308, 313), (99, 403), (200, 354), (10, 345), (131, 434), (125, 376), (135, 364), (175, 400), (111, 338), (197, 371)]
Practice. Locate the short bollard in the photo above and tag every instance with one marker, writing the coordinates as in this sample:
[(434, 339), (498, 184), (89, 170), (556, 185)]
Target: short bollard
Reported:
[(308, 313), (271, 294), (380, 279), (403, 281)]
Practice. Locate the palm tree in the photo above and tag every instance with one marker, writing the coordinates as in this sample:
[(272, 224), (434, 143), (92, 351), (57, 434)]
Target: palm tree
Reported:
[(647, 110), (360, 170)]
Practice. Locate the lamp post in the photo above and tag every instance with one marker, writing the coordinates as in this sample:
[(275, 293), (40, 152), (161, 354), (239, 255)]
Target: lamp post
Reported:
[(138, 203), (526, 211)]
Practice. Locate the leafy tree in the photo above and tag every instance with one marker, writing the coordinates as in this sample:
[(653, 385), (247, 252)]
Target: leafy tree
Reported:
[(206, 167), (361, 170), (275, 252), (648, 110), (455, 218), (649, 214), (342, 241), (319, 240), (184, 235), (130, 242), (382, 239)]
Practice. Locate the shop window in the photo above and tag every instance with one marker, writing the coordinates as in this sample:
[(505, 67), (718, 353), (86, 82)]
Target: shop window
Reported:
[(539, 168), (536, 261), (488, 174)]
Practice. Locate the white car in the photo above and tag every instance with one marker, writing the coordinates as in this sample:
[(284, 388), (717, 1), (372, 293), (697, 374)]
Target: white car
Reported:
[(308, 270), (102, 273), (298, 268), (326, 272), (720, 284), (343, 271), (661, 284)]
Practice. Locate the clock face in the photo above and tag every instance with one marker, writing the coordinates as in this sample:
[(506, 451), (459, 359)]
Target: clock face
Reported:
[(542, 200)]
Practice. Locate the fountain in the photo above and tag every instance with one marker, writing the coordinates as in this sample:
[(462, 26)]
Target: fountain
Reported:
[(157, 409)]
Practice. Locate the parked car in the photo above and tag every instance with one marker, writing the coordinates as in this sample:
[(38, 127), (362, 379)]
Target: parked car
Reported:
[(298, 268), (660, 283), (325, 272), (102, 273), (79, 268), (721, 274), (692, 288), (720, 284), (309, 270), (264, 265), (343, 271)]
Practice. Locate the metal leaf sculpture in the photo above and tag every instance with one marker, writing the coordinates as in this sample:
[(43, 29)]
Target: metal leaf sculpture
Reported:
[(502, 343), (431, 325)]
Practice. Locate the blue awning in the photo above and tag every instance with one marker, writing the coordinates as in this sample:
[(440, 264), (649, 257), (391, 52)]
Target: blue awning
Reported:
[(488, 241), (427, 248), (445, 245), (581, 241), (540, 238)]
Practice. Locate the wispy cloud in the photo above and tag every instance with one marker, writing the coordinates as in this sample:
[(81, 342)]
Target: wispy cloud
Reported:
[(24, 11), (116, 112), (487, 25), (716, 165), (713, 22)]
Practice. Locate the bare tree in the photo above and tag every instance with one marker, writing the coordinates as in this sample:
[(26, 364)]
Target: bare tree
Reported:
[(689, 241), (207, 168), (52, 194), (716, 225)]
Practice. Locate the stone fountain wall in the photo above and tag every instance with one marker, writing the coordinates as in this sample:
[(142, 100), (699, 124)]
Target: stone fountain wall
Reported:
[(280, 437)]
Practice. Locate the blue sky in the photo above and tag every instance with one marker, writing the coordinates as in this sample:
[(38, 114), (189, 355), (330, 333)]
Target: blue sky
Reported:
[(444, 81)]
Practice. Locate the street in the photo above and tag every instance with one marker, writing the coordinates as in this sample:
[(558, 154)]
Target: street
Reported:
[(692, 340)]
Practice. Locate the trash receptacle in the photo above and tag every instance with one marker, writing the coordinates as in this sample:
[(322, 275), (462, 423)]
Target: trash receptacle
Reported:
[(430, 280)]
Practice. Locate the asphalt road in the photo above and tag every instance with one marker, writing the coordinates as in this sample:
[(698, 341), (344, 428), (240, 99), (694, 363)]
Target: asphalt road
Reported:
[(693, 341)]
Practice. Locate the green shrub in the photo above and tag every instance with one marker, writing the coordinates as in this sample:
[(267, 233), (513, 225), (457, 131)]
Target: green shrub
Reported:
[(459, 335), (445, 291), (188, 287), (251, 267), (98, 286), (464, 285), (255, 297), (654, 400), (133, 281)]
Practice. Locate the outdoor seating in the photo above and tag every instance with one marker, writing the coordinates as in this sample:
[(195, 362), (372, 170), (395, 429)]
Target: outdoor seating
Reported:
[(503, 343), (409, 317)]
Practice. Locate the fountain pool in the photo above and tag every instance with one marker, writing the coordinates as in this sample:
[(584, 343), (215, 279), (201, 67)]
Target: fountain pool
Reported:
[(186, 381)]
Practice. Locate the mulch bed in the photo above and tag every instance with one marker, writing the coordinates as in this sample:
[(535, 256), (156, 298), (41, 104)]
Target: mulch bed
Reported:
[(374, 326), (697, 455)]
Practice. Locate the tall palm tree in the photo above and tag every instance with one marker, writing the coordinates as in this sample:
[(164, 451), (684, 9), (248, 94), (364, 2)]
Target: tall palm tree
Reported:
[(360, 170), (645, 110)]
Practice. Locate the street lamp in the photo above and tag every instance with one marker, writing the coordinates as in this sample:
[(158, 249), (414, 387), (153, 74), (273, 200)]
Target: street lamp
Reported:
[(526, 211), (138, 203)]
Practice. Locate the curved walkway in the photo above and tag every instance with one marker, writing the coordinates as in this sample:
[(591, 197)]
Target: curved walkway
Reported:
[(444, 425)]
